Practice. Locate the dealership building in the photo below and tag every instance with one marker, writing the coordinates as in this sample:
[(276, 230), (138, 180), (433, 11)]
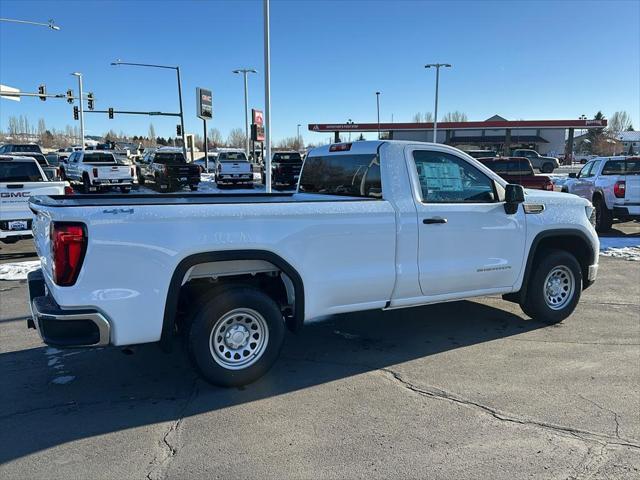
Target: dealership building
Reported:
[(495, 133)]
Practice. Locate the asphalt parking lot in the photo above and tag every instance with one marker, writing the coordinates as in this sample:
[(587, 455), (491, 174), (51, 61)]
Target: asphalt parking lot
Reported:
[(470, 389)]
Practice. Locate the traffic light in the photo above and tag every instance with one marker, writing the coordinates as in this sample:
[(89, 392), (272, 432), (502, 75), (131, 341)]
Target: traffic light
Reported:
[(110, 113), (75, 113), (69, 96), (42, 90), (179, 130), (90, 100)]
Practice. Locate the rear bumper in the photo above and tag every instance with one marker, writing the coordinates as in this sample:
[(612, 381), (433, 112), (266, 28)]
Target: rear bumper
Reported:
[(107, 183), (6, 233), (64, 328), (628, 211)]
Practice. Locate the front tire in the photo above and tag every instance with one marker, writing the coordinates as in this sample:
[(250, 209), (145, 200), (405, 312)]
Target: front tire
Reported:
[(554, 287), (547, 168), (236, 336)]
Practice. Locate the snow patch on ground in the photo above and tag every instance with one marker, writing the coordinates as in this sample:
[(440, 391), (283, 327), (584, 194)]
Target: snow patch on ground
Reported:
[(621, 247), (18, 270)]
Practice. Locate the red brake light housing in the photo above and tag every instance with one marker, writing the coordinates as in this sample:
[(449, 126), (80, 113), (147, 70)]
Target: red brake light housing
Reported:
[(95, 172), (133, 174), (620, 188), (68, 190), (548, 185), (340, 147), (68, 246)]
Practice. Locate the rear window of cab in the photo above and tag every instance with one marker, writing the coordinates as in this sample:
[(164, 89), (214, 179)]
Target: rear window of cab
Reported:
[(344, 175), (629, 166)]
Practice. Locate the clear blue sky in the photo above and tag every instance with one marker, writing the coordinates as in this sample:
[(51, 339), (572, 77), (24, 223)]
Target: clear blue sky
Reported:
[(522, 60)]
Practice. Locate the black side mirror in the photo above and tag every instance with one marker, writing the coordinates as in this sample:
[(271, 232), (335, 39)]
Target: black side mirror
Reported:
[(573, 175), (513, 196)]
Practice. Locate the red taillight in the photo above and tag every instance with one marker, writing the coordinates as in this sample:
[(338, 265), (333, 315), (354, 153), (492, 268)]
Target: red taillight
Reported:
[(340, 147), (548, 186), (68, 190), (620, 188), (166, 170), (132, 172), (95, 173), (68, 244)]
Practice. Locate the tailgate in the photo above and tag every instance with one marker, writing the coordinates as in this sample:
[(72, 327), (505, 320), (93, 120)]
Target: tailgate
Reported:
[(114, 172), (235, 167), (14, 197), (632, 191), (184, 170)]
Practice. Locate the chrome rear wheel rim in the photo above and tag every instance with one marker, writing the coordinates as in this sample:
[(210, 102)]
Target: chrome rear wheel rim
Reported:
[(239, 339)]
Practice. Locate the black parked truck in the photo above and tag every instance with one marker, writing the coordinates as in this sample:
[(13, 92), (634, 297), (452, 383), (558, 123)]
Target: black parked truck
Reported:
[(168, 170), (285, 169)]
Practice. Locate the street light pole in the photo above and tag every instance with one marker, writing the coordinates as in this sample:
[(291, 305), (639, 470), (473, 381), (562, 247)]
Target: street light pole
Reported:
[(267, 98), (177, 69), (298, 137), (80, 98), (51, 24), (378, 108), (245, 72), (437, 66)]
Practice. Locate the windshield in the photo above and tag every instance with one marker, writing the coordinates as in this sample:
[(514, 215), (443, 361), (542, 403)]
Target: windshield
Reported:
[(232, 157), (289, 157), (20, 172), (348, 175), (169, 159), (98, 158), (629, 166)]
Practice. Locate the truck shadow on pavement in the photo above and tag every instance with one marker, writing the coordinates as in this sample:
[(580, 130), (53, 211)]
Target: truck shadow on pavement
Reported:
[(51, 397)]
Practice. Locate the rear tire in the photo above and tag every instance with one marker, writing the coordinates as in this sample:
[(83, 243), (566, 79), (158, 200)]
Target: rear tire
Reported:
[(235, 336), (546, 168), (86, 184), (140, 178), (554, 287), (125, 189), (604, 217), (193, 188)]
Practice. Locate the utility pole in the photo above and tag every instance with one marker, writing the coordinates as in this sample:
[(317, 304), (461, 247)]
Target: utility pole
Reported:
[(267, 98), (245, 72), (79, 75), (437, 66), (378, 108), (298, 136)]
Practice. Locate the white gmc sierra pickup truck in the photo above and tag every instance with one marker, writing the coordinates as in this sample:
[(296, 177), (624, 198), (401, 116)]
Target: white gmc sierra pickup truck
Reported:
[(373, 225)]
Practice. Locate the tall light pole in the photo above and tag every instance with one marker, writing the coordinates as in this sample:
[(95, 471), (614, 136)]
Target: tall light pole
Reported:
[(298, 135), (50, 24), (80, 98), (177, 69), (437, 66), (349, 122), (378, 108), (267, 98), (246, 71)]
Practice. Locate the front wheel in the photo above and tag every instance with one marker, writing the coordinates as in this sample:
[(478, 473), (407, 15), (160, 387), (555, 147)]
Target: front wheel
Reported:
[(236, 336), (554, 287), (547, 168), (125, 189)]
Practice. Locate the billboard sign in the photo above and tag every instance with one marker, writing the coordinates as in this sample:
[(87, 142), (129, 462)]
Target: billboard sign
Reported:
[(204, 104), (257, 128)]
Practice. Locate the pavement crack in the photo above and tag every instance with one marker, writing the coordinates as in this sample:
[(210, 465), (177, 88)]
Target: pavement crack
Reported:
[(159, 463), (605, 409), (583, 435)]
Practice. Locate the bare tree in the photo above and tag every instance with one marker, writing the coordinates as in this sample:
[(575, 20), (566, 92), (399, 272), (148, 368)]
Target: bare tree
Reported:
[(455, 117), (215, 138), (236, 138), (619, 122), (423, 117), (290, 143)]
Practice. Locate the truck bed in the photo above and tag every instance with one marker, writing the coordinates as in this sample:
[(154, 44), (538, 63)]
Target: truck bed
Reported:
[(98, 200)]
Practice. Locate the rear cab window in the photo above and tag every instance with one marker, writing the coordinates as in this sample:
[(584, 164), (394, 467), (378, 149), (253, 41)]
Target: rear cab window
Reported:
[(628, 166), (288, 157), (232, 157), (355, 175), (99, 158), (169, 158), (20, 172)]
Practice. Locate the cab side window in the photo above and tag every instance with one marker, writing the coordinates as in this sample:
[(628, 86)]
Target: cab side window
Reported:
[(445, 178), (586, 170)]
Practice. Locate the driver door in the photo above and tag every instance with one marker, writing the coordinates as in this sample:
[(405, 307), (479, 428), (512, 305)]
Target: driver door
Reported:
[(466, 240)]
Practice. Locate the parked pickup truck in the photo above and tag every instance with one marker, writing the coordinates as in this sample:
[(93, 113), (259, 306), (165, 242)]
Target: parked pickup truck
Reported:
[(285, 169), (518, 170), (34, 151), (612, 184), (20, 178), (97, 170), (167, 169), (233, 168), (544, 164), (373, 225)]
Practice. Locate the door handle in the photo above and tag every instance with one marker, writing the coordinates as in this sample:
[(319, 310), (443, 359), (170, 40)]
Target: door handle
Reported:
[(429, 221)]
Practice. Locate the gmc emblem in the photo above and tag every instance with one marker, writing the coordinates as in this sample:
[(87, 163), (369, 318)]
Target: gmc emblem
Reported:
[(15, 194)]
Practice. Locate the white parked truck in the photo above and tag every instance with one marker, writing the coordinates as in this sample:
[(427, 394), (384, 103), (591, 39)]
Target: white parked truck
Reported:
[(97, 170), (233, 168), (20, 178), (373, 225), (612, 184)]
